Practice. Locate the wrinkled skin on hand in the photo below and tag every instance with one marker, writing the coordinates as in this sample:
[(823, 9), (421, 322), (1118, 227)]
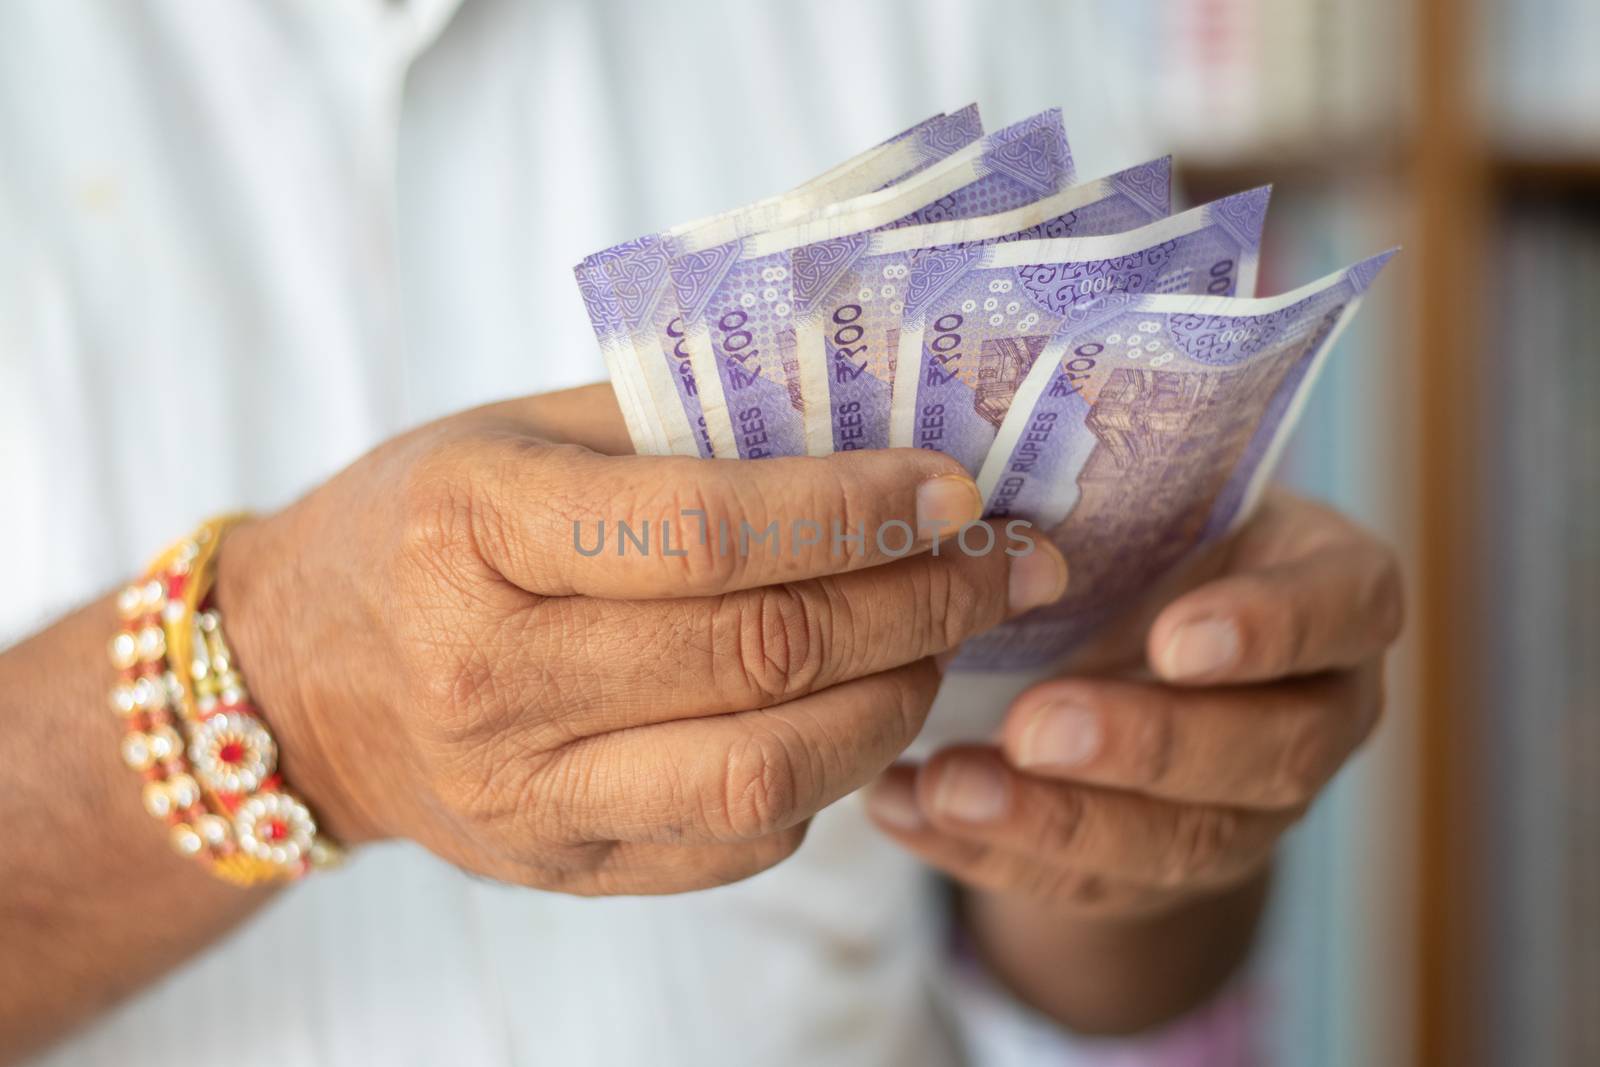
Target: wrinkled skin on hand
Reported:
[(440, 663)]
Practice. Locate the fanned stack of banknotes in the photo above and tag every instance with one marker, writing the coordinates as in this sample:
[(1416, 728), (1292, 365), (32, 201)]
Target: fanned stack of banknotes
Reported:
[(1102, 366)]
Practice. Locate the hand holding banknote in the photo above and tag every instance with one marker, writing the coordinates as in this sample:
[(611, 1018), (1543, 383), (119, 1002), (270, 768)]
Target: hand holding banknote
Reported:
[(480, 659), (1125, 391), (1113, 792), (1106, 371)]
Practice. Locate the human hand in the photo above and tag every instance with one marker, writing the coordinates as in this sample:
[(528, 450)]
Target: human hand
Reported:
[(1116, 794), (440, 662)]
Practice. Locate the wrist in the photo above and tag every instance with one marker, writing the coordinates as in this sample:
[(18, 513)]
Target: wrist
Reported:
[(1121, 972), (262, 604)]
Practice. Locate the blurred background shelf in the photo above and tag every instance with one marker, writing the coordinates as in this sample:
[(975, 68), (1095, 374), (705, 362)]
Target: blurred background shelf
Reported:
[(1463, 421), (1296, 169), (1291, 168), (1553, 173)]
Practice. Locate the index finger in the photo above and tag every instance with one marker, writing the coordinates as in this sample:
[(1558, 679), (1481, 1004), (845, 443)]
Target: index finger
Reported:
[(1334, 608), (562, 520)]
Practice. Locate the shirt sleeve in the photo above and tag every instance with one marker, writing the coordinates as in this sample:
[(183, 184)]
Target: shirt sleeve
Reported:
[(997, 1030)]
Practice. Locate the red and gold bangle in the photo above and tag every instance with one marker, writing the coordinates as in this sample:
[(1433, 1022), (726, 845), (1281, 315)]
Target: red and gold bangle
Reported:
[(208, 759)]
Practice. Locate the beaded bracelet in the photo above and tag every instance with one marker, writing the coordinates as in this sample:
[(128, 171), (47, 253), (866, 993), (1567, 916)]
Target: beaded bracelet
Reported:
[(208, 760)]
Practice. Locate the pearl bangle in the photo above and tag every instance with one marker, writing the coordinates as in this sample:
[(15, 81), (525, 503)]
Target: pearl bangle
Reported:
[(208, 760)]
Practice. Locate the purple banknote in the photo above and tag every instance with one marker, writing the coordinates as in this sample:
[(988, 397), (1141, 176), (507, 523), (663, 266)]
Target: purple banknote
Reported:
[(849, 293), (735, 299), (627, 288), (978, 316), (1144, 432)]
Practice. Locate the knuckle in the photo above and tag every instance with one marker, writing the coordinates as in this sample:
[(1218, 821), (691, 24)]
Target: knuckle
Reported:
[(459, 687), (981, 865), (1151, 747), (842, 506), (496, 475), (451, 500), (1276, 633), (708, 519), (1086, 891), (1039, 881), (1302, 763), (1324, 724), (1202, 840), (777, 640), (760, 787), (915, 687), (954, 602), (1073, 889), (500, 792), (1046, 882), (1387, 598), (469, 682), (1061, 822), (566, 506), (450, 681), (436, 508), (926, 601)]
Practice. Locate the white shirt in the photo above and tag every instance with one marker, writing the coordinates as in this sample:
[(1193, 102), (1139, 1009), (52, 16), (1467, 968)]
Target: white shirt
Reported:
[(240, 243)]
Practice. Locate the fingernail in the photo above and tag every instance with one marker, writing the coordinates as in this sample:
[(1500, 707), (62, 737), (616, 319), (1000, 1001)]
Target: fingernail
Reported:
[(945, 504), (1038, 578), (1199, 648), (971, 791), (1061, 736), (892, 801)]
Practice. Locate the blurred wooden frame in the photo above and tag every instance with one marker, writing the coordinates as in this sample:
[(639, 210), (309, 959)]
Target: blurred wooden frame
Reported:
[(1450, 187)]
